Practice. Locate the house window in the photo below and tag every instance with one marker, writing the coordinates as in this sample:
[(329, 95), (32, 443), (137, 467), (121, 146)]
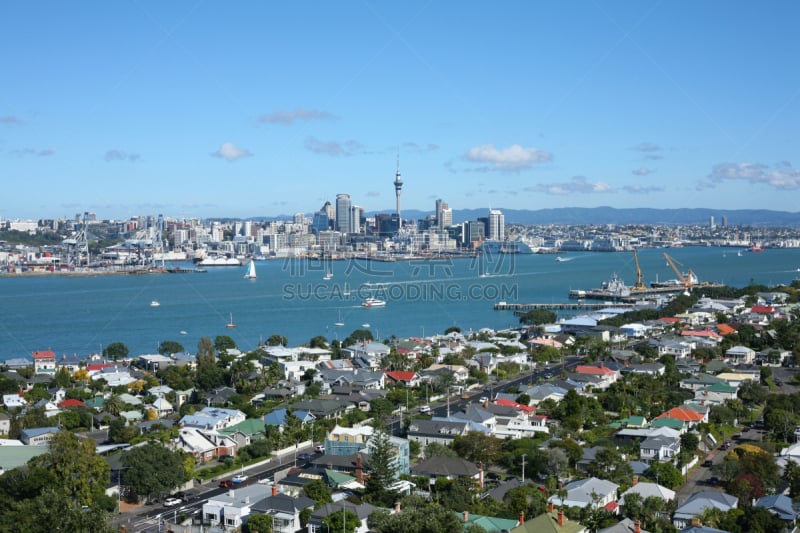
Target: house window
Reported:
[(211, 517)]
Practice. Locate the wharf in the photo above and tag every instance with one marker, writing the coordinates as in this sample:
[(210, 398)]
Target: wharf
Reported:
[(635, 294)]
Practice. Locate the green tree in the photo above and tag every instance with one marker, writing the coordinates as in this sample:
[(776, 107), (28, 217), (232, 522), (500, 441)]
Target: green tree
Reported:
[(116, 350), (277, 340), (223, 343), (435, 449), (417, 517), (81, 473), (452, 329), (152, 470), (345, 521), (537, 317), (170, 347), (318, 491), (382, 467), (63, 378), (259, 523), (318, 342), (477, 447), (665, 474)]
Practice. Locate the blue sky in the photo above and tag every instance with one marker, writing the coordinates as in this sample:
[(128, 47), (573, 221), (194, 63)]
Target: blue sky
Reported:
[(261, 109)]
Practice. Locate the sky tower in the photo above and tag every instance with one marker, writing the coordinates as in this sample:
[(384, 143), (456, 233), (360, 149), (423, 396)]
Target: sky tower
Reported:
[(398, 186)]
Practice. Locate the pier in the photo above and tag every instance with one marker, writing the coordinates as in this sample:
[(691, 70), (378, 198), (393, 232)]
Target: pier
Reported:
[(566, 306)]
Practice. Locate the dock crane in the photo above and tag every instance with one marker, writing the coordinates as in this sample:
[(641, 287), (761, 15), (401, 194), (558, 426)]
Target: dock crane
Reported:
[(687, 279), (639, 285)]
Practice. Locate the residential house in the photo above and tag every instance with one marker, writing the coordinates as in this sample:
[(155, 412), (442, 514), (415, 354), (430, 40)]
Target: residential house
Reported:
[(689, 417), (659, 448), (740, 355), (315, 521), (460, 373), (220, 396), (406, 378), (607, 375), (323, 409), (213, 418), (592, 492), (490, 524), (448, 467), (44, 362), (550, 522), (12, 401), (284, 510), (547, 391), (204, 445), (230, 509), (277, 417), (646, 490), (347, 441), (781, 506), (440, 432), (38, 436), (698, 502), (735, 379)]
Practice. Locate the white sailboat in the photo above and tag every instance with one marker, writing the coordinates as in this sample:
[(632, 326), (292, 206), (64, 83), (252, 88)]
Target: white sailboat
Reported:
[(231, 324), (251, 270), (339, 323)]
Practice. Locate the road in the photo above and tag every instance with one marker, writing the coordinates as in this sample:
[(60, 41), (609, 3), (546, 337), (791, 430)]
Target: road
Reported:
[(150, 517), (457, 402)]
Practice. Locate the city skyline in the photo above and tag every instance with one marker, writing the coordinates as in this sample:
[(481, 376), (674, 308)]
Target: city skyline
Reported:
[(267, 110)]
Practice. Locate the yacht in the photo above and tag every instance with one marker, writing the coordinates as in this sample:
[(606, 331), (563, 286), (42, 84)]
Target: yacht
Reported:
[(373, 302), (154, 303)]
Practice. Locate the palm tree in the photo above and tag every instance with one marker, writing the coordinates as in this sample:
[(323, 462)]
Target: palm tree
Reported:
[(114, 405)]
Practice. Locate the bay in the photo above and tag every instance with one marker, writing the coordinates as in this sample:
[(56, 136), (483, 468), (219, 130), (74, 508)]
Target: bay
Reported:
[(80, 315)]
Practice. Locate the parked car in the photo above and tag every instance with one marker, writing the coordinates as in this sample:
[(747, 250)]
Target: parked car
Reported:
[(319, 448), (484, 399), (708, 463), (425, 409), (239, 478), (225, 483), (264, 481), (185, 496), (713, 481), (304, 456), (171, 502)]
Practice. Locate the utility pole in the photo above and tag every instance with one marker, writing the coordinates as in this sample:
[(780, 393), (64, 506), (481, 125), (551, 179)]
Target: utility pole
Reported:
[(523, 467)]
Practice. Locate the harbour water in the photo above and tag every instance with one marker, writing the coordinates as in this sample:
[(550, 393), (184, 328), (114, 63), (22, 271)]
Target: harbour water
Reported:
[(80, 315)]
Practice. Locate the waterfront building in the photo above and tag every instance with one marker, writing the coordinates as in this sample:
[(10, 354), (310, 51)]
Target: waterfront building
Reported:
[(44, 362)]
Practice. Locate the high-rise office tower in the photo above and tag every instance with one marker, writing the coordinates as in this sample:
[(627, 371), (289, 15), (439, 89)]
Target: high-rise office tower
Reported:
[(398, 186), (356, 213), (343, 206), (497, 225), (441, 207)]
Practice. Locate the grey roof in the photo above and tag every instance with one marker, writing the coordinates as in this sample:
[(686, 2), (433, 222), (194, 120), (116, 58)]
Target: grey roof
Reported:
[(780, 505), (282, 503), (437, 428), (363, 510), (700, 501), (446, 466), (499, 492), (625, 526)]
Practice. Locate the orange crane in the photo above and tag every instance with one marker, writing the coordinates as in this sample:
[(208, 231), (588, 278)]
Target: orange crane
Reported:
[(688, 279), (639, 285)]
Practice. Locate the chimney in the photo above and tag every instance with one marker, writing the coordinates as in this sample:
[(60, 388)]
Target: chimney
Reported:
[(274, 490), (521, 517), (466, 516), (634, 481), (561, 517), (637, 528), (550, 507)]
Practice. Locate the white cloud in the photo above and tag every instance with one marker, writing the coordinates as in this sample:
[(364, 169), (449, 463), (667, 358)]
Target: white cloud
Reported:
[(642, 189), (333, 148), (782, 176), (642, 171), (647, 147), (290, 117), (231, 152), (511, 159), (119, 155), (576, 185), (46, 152)]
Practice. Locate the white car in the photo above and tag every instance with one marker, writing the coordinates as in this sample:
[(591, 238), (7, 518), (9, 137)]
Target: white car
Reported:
[(239, 478), (171, 502), (319, 448), (264, 481), (484, 399), (425, 409)]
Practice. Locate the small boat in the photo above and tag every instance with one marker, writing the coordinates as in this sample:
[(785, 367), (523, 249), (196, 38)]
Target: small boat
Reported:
[(251, 270), (339, 323), (373, 302), (757, 247), (328, 275), (365, 325), (739, 253), (183, 332), (154, 303), (230, 325)]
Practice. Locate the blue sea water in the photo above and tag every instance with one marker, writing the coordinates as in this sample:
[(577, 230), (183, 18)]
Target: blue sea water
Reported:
[(80, 315)]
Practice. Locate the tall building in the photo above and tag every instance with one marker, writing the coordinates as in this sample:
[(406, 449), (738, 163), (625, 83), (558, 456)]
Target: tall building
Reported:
[(398, 186), (724, 221), (343, 206), (356, 214), (442, 211), (473, 234), (497, 225), (711, 223), (321, 222)]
